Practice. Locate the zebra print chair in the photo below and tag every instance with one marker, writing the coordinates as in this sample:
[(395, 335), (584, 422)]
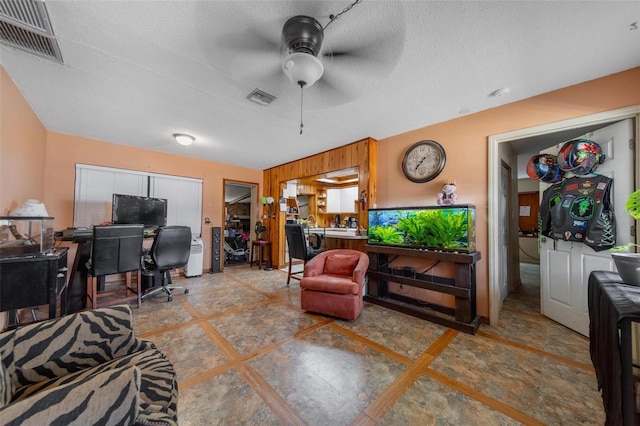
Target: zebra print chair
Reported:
[(85, 368)]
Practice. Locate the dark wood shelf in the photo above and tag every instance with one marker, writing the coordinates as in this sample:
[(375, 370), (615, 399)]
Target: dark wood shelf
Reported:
[(463, 286)]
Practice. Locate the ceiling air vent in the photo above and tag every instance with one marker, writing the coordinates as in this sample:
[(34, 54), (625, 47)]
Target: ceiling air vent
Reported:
[(261, 97), (25, 24)]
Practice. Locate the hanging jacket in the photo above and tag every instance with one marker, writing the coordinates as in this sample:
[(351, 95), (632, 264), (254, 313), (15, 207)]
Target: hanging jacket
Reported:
[(579, 209), (550, 197)]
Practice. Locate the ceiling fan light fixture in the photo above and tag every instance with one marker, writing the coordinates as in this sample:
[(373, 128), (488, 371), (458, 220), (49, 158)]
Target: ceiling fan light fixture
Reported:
[(302, 69), (184, 140)]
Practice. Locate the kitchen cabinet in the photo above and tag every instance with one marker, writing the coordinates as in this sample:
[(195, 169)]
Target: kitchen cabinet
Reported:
[(342, 200)]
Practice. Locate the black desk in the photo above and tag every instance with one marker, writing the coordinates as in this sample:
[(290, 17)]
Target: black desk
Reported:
[(34, 280), (77, 296), (78, 273), (613, 306)]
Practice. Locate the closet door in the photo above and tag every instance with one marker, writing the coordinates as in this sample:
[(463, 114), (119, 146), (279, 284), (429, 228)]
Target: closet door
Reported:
[(94, 191), (184, 200)]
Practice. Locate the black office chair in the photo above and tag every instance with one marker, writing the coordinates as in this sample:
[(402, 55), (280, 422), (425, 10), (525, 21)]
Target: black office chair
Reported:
[(115, 249), (170, 250), (298, 248)]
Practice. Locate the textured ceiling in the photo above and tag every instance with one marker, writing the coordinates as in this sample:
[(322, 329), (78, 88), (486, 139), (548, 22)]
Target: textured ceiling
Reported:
[(135, 72)]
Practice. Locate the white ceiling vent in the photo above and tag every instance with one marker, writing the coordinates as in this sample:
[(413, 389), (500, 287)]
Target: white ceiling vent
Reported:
[(25, 24), (261, 97)]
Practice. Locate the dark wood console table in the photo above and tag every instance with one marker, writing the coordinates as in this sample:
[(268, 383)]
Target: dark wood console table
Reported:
[(463, 288), (613, 307)]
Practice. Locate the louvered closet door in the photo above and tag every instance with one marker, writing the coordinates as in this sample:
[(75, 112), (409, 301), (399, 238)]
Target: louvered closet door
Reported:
[(94, 191), (184, 200)]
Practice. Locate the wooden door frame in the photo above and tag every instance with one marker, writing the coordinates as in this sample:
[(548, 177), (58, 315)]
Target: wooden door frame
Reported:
[(253, 217), (494, 179)]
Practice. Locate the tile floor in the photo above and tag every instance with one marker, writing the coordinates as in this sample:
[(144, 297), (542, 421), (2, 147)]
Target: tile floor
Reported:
[(245, 353)]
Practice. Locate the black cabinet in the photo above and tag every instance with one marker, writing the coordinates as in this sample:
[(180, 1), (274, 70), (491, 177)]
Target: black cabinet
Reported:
[(34, 280)]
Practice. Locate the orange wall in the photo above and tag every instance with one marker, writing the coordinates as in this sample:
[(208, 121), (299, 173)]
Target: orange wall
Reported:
[(22, 143), (465, 140), (22, 148), (64, 151)]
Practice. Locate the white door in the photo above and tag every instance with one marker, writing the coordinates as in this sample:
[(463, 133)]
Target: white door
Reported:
[(565, 265)]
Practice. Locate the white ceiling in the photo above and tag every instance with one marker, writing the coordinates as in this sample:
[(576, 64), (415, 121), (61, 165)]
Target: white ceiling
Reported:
[(234, 191), (135, 72)]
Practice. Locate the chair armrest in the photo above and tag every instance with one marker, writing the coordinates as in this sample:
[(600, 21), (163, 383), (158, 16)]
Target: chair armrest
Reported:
[(60, 346), (314, 267), (361, 269), (111, 397)]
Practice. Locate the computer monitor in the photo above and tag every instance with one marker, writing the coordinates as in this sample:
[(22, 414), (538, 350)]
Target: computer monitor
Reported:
[(150, 212)]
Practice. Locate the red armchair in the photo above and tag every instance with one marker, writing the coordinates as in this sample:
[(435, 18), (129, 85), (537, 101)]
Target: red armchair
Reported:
[(332, 283)]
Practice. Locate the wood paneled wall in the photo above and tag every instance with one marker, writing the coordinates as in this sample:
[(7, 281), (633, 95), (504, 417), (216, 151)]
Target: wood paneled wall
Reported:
[(361, 154)]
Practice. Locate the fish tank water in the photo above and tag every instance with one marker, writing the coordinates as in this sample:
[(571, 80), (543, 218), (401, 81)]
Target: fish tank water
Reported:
[(448, 228)]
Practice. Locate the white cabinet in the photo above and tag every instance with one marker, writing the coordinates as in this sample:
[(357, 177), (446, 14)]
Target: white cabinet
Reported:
[(348, 198), (333, 200), (342, 200)]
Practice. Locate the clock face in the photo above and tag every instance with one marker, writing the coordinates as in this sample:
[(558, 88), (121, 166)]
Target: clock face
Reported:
[(423, 161)]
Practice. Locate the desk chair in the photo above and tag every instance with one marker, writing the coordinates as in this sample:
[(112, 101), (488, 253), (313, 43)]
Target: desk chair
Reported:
[(115, 249), (170, 250), (298, 248)]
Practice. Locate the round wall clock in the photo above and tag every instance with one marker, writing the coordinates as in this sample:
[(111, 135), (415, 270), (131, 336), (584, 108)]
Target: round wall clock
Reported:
[(423, 161)]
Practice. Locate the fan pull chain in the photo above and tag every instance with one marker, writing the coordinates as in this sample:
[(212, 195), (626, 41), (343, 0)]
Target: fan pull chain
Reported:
[(333, 17), (301, 99)]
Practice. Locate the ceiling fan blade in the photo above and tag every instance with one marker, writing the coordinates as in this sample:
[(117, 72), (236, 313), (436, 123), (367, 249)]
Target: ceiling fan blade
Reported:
[(331, 90), (252, 40), (378, 52), (273, 80)]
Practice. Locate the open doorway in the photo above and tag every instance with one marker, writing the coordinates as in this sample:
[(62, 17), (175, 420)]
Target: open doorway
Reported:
[(505, 146), (240, 200)]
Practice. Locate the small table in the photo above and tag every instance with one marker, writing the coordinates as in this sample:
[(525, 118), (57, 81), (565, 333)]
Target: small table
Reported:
[(613, 307), (261, 245)]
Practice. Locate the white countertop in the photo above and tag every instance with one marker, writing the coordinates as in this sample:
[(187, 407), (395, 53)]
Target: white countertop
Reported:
[(347, 233)]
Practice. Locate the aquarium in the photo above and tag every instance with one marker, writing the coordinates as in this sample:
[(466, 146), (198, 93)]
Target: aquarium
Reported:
[(450, 228), (25, 235)]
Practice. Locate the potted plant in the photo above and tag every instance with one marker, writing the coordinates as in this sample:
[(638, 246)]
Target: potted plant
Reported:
[(628, 264)]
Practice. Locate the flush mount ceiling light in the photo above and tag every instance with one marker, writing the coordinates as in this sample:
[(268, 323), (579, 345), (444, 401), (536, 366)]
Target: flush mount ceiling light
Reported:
[(184, 140)]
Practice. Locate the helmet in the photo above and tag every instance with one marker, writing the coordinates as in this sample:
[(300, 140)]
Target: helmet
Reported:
[(580, 156), (545, 168)]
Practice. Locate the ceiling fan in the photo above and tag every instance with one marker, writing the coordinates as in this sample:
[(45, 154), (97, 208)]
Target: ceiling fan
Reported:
[(342, 62), (303, 37)]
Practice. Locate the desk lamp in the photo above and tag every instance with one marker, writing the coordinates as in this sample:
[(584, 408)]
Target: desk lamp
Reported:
[(31, 207)]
